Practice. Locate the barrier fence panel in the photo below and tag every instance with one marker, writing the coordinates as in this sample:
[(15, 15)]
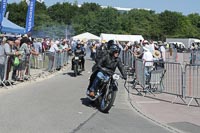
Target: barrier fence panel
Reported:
[(35, 66), (55, 61), (171, 55), (139, 70), (125, 58), (4, 73), (45, 60), (131, 59), (192, 84), (128, 59), (173, 80)]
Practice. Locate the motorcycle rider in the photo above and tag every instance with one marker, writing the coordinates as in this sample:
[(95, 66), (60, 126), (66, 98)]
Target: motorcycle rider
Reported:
[(80, 52), (105, 67)]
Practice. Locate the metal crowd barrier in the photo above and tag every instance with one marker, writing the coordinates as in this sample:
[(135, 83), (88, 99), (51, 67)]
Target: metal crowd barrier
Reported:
[(173, 82), (139, 72), (46, 62), (179, 80), (171, 56), (4, 80), (191, 86), (128, 58)]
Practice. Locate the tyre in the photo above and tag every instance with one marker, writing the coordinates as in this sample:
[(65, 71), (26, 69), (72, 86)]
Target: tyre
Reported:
[(107, 101), (75, 70)]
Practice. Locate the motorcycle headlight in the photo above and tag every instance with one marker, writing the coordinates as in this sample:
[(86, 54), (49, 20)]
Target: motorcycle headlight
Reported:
[(115, 76)]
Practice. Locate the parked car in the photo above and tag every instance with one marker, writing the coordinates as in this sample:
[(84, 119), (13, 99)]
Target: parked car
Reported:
[(178, 45)]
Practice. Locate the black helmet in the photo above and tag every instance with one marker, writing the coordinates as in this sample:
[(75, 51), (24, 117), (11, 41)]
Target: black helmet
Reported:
[(114, 48), (110, 43)]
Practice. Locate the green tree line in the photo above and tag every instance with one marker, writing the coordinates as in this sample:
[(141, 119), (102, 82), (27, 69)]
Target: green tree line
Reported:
[(69, 19)]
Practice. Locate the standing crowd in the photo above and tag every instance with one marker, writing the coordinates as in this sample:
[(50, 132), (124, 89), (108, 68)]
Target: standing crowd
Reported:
[(17, 55), (152, 53)]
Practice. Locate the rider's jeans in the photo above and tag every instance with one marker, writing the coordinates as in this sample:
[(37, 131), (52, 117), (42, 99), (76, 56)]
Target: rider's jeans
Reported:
[(100, 76)]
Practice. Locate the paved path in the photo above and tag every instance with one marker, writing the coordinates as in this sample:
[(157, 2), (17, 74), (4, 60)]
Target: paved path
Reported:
[(58, 104), (161, 109)]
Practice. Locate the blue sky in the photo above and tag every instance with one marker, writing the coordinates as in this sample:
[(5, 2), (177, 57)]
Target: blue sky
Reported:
[(184, 6)]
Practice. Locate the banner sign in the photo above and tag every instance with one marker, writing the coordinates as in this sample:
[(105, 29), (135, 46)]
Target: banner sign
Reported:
[(30, 16), (3, 10)]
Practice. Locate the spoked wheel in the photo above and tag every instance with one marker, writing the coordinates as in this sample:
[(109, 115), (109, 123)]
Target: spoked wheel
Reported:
[(107, 101)]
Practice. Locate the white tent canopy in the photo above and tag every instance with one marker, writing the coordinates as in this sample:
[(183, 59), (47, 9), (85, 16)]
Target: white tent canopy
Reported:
[(118, 37), (86, 36)]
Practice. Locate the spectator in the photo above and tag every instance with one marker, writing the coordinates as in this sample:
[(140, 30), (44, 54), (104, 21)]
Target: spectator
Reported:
[(24, 50), (45, 46), (9, 52), (152, 46), (138, 51), (162, 50), (193, 54), (2, 57), (15, 72), (67, 49), (148, 63), (51, 55)]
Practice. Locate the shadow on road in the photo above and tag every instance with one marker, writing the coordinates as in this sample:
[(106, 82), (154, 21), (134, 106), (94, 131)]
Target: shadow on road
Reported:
[(87, 102), (71, 74)]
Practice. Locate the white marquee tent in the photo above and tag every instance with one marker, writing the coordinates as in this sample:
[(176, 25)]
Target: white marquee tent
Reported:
[(119, 37), (86, 36)]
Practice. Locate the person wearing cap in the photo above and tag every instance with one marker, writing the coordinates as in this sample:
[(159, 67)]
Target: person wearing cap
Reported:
[(148, 62), (11, 53)]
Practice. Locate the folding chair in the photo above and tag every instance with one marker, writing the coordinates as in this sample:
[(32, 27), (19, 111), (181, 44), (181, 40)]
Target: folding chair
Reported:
[(156, 78)]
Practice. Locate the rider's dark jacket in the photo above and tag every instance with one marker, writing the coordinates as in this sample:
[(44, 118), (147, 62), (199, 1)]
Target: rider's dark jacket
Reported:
[(79, 51), (109, 63)]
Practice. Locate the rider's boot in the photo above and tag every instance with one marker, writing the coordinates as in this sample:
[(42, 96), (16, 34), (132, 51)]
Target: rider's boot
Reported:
[(94, 86)]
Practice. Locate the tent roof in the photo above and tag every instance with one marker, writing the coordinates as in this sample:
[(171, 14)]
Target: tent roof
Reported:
[(10, 27), (119, 37), (87, 36)]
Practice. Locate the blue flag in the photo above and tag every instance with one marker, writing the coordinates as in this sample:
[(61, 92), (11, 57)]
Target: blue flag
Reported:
[(3, 10), (30, 16)]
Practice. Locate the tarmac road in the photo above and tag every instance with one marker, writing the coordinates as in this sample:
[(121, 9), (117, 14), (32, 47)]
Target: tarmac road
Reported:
[(59, 105)]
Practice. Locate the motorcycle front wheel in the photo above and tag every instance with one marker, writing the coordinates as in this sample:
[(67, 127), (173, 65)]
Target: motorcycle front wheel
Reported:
[(107, 101), (75, 70)]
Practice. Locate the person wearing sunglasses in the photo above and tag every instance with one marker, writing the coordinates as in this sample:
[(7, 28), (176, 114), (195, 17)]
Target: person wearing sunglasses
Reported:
[(105, 67)]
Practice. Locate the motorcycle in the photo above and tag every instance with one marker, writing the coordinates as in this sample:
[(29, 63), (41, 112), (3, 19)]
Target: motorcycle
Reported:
[(105, 93), (77, 65)]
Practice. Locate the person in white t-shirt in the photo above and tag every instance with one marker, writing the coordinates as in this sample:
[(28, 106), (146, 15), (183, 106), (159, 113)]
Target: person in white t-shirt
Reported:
[(152, 46), (148, 62), (51, 54)]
